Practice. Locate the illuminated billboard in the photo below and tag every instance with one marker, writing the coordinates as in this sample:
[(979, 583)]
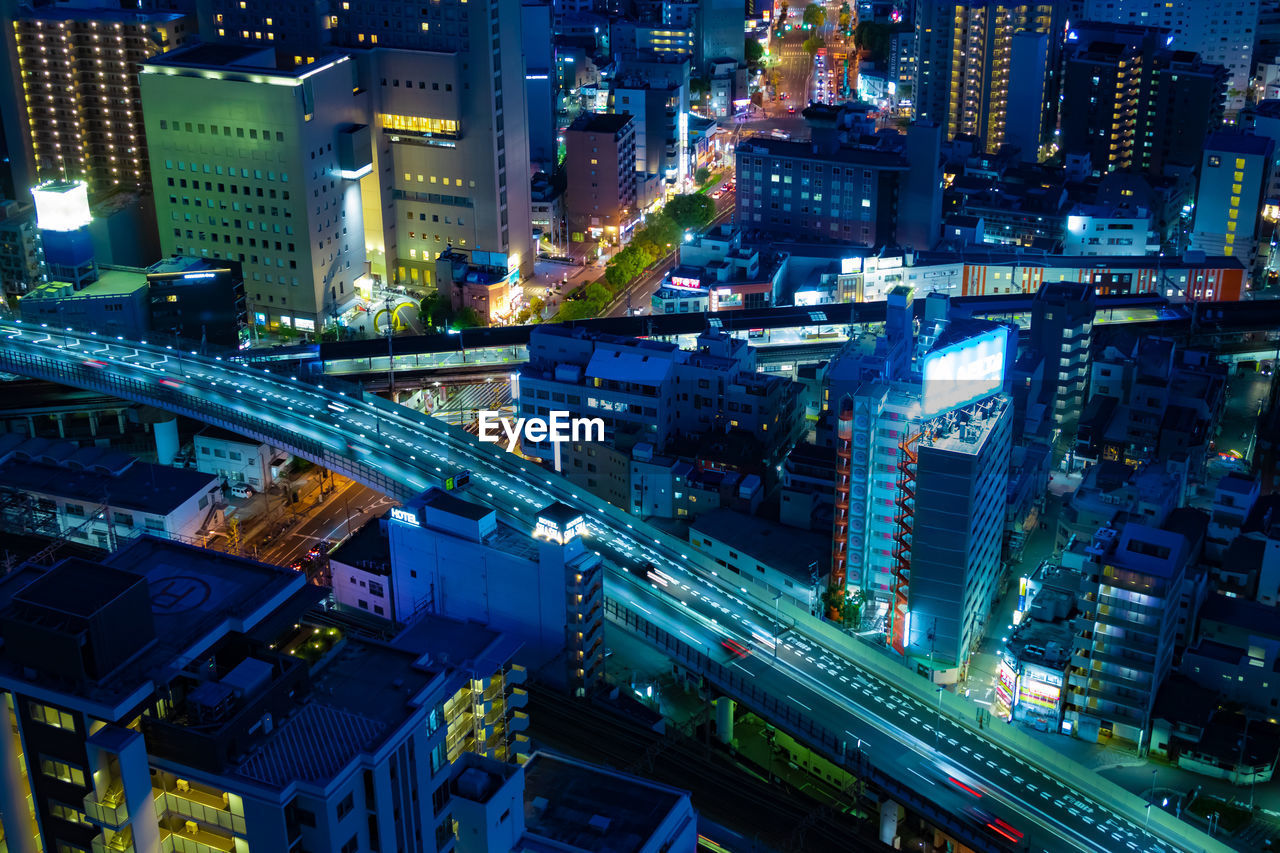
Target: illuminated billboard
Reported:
[(965, 371), (61, 205)]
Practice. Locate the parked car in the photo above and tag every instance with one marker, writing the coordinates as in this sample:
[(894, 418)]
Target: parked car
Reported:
[(242, 491)]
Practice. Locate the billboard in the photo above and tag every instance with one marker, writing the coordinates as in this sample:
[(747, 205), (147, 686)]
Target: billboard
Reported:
[(965, 371)]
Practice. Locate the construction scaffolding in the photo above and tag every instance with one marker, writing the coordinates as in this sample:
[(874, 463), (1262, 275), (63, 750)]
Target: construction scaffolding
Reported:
[(840, 526)]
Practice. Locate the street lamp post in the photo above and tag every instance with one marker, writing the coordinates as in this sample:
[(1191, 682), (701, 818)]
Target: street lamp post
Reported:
[(391, 362), (1152, 798), (777, 618)]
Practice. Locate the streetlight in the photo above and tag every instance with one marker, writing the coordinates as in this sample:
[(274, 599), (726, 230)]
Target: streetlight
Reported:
[(462, 344), (777, 618), (1152, 798), (937, 724)]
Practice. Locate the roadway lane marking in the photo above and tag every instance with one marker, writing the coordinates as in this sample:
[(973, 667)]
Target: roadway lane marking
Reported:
[(922, 776), (744, 669), (798, 702)]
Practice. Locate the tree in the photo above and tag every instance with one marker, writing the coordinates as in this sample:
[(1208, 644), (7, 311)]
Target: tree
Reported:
[(436, 310), (811, 44), (466, 318), (691, 211), (815, 15), (702, 175), (753, 52)]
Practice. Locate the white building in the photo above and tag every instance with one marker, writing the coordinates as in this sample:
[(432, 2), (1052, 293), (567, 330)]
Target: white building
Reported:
[(1099, 230), (1234, 178), (236, 459), (102, 498), (540, 585), (777, 559), (1222, 34)]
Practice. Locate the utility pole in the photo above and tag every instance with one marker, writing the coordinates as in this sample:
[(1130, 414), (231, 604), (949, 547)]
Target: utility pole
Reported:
[(391, 366)]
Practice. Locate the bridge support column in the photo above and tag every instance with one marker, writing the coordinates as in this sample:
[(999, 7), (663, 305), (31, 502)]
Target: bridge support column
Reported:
[(724, 719), (61, 420), (890, 816), (93, 423), (31, 426), (166, 433), (120, 420)]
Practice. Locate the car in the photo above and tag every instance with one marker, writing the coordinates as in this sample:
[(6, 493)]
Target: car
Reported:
[(242, 491), (725, 187), (718, 193), (791, 110)]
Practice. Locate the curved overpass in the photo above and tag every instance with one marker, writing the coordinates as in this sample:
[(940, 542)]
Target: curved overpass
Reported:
[(822, 682)]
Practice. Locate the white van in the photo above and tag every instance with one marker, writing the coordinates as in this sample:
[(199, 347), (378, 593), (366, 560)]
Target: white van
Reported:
[(242, 490)]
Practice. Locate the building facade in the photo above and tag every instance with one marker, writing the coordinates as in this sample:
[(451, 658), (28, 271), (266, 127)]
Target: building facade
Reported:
[(600, 157)]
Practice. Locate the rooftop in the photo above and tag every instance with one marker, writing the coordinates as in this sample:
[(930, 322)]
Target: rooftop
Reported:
[(111, 282), (195, 594), (143, 486), (785, 549), (591, 808), (600, 122), (454, 643)]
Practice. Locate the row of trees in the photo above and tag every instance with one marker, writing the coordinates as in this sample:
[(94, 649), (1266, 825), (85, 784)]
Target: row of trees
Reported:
[(659, 237)]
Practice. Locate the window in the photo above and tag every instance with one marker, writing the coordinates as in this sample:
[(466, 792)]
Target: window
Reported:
[(124, 518), (51, 716), (375, 588), (62, 771), (345, 807)]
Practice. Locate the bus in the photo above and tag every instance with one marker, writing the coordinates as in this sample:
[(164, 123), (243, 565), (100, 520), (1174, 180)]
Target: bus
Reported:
[(457, 481)]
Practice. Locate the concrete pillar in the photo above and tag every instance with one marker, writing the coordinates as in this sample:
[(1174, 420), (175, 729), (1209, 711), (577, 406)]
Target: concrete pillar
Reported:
[(889, 816), (93, 423), (166, 434), (19, 829), (120, 420), (61, 420), (724, 719), (31, 426)]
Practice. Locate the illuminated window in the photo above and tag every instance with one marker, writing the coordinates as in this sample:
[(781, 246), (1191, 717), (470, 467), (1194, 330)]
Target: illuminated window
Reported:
[(51, 716)]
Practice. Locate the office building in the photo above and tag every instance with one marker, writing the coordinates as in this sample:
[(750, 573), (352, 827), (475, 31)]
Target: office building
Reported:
[(1234, 176), (920, 514), (198, 300), (953, 566), (1102, 230), (99, 497), (541, 83), (600, 195), (174, 698), (540, 586), (1130, 581), (843, 193), (1061, 332), (451, 151), (655, 91), (257, 162), (72, 106), (775, 559), (980, 70), (1224, 38), (1262, 119), (1131, 103)]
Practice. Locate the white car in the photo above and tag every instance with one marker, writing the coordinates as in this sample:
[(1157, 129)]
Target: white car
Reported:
[(242, 491)]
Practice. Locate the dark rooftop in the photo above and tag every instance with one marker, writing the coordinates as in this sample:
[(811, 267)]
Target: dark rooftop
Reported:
[(445, 502), (591, 808), (150, 488), (601, 122), (78, 587)]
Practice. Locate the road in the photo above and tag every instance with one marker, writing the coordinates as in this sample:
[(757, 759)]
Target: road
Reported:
[(342, 512), (402, 452), (640, 292)]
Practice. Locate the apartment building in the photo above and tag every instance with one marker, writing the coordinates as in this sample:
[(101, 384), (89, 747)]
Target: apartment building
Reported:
[(980, 71), (1234, 176), (1061, 331), (174, 698), (1130, 581), (72, 106), (600, 156)]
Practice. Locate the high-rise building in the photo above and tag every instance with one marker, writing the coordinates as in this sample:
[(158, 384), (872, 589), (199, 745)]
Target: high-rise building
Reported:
[(1131, 103), (541, 83), (259, 162), (600, 158), (977, 73), (927, 432), (71, 107), (1234, 177), (446, 88), (1223, 34)]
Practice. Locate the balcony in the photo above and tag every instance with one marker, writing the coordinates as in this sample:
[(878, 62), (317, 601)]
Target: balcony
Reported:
[(111, 811), (190, 838), (200, 806), (117, 844), (519, 722), (516, 674), (519, 698)]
